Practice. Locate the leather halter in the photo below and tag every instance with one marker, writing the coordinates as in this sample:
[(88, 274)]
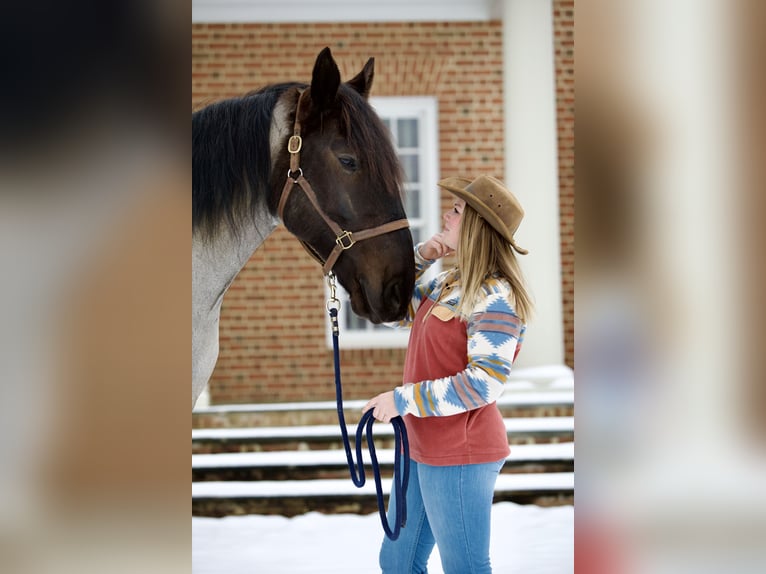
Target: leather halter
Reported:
[(343, 239)]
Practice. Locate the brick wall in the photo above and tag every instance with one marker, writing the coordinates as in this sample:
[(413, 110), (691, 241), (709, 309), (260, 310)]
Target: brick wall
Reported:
[(563, 38), (272, 323)]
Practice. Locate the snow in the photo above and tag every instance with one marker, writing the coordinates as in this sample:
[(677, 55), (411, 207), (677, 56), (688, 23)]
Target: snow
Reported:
[(521, 452), (344, 487), (525, 539)]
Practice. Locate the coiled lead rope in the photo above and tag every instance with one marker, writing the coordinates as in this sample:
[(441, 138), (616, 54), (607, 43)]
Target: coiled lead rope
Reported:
[(401, 444)]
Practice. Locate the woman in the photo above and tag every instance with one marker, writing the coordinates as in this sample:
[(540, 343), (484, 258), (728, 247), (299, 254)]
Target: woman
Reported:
[(467, 326)]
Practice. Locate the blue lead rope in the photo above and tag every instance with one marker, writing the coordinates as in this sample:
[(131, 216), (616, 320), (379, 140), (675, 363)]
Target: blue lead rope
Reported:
[(356, 468)]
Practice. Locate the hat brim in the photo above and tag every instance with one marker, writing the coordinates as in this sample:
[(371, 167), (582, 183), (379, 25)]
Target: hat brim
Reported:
[(457, 185)]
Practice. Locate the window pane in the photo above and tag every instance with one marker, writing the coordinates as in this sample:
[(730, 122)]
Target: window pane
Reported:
[(412, 202), (353, 321), (407, 130), (411, 166)]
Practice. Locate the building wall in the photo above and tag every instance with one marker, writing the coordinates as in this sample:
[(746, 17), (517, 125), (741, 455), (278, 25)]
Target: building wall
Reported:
[(272, 324), (563, 37)]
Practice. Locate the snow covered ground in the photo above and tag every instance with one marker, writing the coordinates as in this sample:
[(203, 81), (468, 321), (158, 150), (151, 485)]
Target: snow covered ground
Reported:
[(525, 539)]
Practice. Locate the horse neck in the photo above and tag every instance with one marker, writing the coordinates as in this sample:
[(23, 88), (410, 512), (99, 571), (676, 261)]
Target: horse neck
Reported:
[(217, 261)]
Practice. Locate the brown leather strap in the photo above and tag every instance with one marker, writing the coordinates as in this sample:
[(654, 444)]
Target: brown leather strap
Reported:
[(381, 229), (295, 143), (346, 239), (343, 239), (289, 184), (306, 187)]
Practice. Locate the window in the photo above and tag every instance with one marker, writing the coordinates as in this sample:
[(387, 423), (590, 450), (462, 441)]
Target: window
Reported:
[(414, 129)]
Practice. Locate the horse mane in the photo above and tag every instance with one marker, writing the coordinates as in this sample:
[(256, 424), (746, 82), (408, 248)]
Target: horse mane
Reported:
[(231, 159)]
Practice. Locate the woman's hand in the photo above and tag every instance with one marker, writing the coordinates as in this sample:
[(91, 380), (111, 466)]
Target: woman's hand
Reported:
[(383, 407), (435, 247)]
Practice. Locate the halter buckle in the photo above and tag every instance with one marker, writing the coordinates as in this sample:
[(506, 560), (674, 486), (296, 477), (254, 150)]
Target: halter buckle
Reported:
[(294, 144), (345, 240)]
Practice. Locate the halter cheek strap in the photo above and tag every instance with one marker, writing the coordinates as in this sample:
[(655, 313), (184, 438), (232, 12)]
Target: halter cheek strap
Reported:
[(343, 239)]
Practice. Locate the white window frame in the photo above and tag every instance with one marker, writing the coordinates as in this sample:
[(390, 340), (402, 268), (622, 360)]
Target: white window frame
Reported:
[(425, 109)]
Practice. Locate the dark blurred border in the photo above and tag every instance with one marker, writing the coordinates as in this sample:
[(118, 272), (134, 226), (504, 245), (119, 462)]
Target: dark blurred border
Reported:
[(63, 61), (670, 393), (94, 287)]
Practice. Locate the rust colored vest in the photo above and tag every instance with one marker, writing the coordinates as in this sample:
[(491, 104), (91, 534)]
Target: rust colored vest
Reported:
[(438, 348)]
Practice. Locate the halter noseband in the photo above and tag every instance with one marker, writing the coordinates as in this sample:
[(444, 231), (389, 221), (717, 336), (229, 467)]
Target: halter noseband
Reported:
[(343, 239)]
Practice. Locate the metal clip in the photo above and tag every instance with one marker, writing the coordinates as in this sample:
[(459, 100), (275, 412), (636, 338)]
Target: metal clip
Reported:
[(333, 302), (299, 171)]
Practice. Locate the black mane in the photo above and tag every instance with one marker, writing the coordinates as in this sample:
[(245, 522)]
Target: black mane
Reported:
[(231, 158)]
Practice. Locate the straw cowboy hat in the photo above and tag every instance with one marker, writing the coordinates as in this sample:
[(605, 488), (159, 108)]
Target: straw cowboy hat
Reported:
[(492, 200)]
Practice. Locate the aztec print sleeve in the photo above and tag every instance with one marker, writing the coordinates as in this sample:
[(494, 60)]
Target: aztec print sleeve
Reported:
[(422, 289), (494, 336)]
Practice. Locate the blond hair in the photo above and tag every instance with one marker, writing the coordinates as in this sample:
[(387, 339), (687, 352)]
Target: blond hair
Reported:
[(482, 252)]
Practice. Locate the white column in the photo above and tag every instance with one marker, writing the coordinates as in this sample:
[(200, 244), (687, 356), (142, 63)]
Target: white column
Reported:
[(531, 167)]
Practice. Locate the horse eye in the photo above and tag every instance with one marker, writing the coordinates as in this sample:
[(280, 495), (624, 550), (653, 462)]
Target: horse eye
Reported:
[(348, 162)]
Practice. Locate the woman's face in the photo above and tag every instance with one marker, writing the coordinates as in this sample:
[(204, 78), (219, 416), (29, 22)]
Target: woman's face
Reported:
[(452, 220)]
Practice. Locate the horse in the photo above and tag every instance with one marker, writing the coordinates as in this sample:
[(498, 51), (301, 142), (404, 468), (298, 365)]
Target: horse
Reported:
[(317, 158)]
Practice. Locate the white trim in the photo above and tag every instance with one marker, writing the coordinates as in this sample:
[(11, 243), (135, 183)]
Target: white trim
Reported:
[(426, 109), (293, 11), (344, 487), (553, 451)]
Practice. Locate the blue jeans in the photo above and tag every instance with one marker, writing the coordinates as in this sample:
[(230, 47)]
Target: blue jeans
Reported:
[(449, 506)]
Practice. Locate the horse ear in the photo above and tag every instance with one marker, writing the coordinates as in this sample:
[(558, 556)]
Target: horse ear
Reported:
[(362, 82), (325, 80)]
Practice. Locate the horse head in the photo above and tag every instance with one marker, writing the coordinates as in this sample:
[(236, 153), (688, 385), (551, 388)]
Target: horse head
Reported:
[(343, 180)]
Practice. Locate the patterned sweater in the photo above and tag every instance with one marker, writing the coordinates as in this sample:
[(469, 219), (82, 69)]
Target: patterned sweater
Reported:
[(495, 334)]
